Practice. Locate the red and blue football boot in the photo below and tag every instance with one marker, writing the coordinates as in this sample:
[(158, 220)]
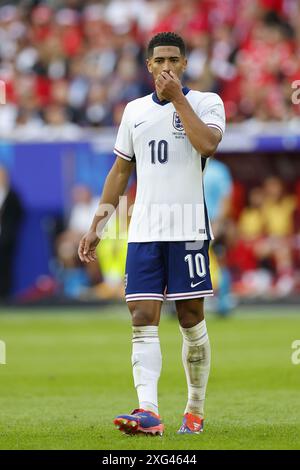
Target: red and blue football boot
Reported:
[(140, 421), (191, 424)]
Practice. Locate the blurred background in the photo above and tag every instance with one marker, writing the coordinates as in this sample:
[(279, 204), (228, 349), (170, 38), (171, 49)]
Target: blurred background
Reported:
[(71, 66)]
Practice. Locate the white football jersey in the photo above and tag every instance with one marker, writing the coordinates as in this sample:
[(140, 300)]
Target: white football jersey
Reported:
[(169, 204)]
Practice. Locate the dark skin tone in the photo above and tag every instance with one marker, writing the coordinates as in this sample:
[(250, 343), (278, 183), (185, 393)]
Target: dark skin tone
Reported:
[(166, 66)]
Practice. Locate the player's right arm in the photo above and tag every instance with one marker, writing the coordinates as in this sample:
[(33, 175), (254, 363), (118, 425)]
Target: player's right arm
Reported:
[(115, 186)]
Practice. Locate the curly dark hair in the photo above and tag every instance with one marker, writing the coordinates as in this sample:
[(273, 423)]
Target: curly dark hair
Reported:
[(166, 39)]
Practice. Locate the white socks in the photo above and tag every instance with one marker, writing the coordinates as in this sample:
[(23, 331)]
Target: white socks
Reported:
[(146, 363), (196, 361)]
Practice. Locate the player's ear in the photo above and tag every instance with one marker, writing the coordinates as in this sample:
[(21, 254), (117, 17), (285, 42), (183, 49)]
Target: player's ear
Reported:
[(149, 65), (184, 63)]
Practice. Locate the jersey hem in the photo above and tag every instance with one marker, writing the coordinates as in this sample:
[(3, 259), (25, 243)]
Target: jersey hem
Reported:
[(187, 240), (138, 296), (169, 297), (189, 295)]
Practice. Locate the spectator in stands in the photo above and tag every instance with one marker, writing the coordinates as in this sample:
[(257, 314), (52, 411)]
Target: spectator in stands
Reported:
[(28, 125), (57, 125), (250, 275), (243, 264), (251, 222), (260, 253), (75, 279), (10, 217), (278, 212), (218, 190), (278, 208)]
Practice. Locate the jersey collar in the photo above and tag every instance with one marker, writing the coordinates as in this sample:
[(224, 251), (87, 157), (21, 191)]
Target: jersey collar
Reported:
[(155, 98)]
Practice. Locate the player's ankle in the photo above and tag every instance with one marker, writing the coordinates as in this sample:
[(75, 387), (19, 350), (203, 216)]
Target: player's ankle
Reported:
[(197, 414), (149, 407)]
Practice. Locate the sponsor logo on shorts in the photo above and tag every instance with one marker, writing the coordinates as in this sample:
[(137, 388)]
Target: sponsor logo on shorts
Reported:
[(197, 283)]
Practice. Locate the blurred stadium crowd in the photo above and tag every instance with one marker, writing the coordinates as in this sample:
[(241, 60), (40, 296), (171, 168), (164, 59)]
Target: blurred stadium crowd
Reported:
[(72, 65), (77, 63), (262, 239)]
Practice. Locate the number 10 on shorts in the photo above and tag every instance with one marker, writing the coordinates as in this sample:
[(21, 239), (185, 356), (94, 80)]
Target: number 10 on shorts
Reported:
[(196, 264)]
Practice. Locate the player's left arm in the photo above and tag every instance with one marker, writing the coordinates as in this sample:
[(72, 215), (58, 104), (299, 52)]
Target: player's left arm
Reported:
[(203, 138)]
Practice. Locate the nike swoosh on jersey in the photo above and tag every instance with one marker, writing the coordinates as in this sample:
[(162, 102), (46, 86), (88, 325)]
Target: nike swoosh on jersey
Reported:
[(197, 284), (139, 123)]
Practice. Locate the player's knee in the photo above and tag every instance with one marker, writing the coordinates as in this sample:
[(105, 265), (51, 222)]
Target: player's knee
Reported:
[(190, 313), (188, 321), (142, 316), (189, 317)]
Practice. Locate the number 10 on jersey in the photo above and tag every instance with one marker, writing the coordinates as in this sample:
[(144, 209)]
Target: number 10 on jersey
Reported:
[(159, 152)]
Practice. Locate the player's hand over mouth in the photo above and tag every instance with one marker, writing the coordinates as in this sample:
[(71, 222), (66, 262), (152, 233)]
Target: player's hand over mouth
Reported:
[(168, 86)]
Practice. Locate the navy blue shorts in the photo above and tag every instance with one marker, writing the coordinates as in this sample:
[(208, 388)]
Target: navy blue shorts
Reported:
[(167, 270)]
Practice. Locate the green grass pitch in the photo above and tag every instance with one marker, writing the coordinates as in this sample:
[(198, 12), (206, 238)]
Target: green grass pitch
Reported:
[(69, 373)]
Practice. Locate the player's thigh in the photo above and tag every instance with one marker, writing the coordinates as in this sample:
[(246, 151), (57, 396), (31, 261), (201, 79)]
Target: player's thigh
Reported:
[(145, 312), (190, 312)]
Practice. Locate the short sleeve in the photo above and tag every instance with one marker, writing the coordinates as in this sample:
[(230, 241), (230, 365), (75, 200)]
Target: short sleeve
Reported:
[(124, 146), (211, 112)]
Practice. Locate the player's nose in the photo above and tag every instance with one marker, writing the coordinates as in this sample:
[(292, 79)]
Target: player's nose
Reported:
[(167, 66)]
